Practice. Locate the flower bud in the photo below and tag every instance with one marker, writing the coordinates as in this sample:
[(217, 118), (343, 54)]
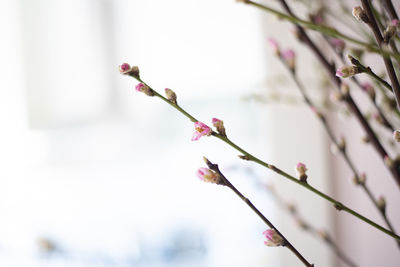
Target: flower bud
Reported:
[(171, 96), (345, 90), (341, 143), (219, 125), (381, 203), (347, 71), (126, 69), (288, 57), (337, 44), (201, 130), (141, 87), (208, 176), (273, 238), (301, 171), (369, 89), (389, 32), (396, 136), (275, 46), (388, 161), (360, 14), (365, 139), (360, 179)]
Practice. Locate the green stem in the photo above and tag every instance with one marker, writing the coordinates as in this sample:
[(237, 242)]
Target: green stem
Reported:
[(249, 156), (324, 29)]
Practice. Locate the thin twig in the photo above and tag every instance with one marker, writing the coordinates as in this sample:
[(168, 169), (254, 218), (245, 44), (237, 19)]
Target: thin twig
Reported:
[(330, 68), (341, 147), (379, 39), (286, 242), (338, 205), (306, 226)]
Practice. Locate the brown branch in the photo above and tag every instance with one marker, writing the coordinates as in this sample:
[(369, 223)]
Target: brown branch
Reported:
[(286, 242), (349, 100), (307, 227), (390, 8), (379, 39), (341, 147)]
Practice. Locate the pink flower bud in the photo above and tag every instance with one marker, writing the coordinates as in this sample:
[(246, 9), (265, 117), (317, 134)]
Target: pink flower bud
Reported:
[(274, 44), (394, 22), (347, 71), (125, 68), (273, 238), (141, 87), (338, 44), (208, 175), (201, 130), (301, 170), (369, 89), (219, 125), (288, 57)]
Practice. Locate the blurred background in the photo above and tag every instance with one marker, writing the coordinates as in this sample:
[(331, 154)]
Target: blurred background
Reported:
[(93, 173)]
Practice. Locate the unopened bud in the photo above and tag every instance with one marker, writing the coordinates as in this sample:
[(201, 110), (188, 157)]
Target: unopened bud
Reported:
[(389, 32), (275, 46), (208, 176), (301, 170), (396, 136), (388, 161), (365, 139), (345, 89), (337, 44), (381, 203), (288, 57), (341, 143), (273, 238), (171, 96), (219, 125), (347, 71), (360, 14), (369, 89), (126, 69), (360, 179), (141, 87)]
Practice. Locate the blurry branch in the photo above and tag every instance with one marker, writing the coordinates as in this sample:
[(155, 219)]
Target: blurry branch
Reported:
[(224, 181), (339, 145), (372, 23), (323, 29), (307, 227), (330, 68)]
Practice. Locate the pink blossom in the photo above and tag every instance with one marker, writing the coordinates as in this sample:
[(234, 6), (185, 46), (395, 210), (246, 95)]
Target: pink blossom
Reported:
[(201, 130), (208, 175), (124, 68), (395, 22), (140, 87), (273, 238)]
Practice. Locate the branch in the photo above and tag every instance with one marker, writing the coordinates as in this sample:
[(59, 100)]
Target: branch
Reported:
[(246, 155), (388, 63), (286, 242)]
